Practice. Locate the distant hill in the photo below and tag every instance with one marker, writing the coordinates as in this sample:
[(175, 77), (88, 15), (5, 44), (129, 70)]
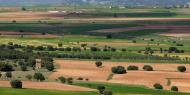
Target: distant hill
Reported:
[(110, 2)]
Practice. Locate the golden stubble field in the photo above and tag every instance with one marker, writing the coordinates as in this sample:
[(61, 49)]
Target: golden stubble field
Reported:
[(162, 72)]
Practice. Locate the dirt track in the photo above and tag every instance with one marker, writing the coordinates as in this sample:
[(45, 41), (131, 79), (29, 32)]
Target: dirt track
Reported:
[(87, 69), (48, 86)]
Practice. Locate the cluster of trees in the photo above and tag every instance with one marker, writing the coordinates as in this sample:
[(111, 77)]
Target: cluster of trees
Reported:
[(171, 50), (65, 80), (107, 56), (160, 87), (10, 52), (23, 56)]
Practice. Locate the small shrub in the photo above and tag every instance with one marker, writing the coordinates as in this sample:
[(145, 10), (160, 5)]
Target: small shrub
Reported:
[(174, 88), (119, 70), (87, 79), (101, 89), (134, 41), (132, 68), (39, 76), (62, 79), (8, 74), (49, 66), (147, 68), (108, 92), (179, 45), (29, 77), (16, 84), (79, 78), (23, 67), (98, 64), (123, 50), (70, 80), (60, 44), (158, 86), (181, 68), (109, 36)]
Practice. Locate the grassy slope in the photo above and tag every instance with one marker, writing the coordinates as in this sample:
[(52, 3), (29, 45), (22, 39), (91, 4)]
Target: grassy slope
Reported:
[(119, 89)]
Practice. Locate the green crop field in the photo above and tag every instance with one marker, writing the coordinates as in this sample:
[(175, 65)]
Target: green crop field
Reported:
[(119, 89), (9, 91)]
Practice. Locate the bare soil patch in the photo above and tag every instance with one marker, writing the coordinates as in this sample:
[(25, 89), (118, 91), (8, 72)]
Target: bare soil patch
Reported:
[(20, 16), (87, 69), (48, 86)]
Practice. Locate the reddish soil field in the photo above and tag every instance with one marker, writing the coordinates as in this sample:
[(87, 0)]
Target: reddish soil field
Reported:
[(22, 16), (48, 86), (87, 69)]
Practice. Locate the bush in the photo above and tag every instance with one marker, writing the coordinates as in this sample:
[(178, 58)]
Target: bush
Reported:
[(179, 45), (39, 76), (98, 63), (16, 84), (109, 36), (181, 68), (62, 79), (123, 50), (132, 68), (174, 88), (6, 67), (107, 92), (134, 41), (158, 86), (119, 70), (60, 44), (29, 77), (101, 89), (69, 80), (49, 66), (8, 74), (147, 68), (50, 48), (23, 67), (68, 49), (79, 78), (94, 49)]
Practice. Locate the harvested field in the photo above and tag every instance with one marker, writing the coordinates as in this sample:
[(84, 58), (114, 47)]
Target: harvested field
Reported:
[(22, 16), (31, 34), (29, 16), (48, 86), (87, 69), (119, 44), (173, 28)]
